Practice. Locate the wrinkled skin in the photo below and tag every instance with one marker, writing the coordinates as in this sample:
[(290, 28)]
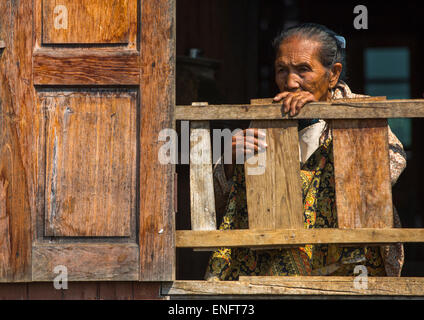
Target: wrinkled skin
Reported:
[(300, 76)]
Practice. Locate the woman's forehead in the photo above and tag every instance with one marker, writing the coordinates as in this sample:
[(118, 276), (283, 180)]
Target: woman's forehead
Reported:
[(295, 50)]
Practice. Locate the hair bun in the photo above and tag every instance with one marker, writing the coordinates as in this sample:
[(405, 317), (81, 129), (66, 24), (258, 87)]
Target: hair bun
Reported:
[(342, 41)]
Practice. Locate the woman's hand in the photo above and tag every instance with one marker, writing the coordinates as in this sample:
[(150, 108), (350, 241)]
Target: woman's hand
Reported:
[(294, 101), (245, 142)]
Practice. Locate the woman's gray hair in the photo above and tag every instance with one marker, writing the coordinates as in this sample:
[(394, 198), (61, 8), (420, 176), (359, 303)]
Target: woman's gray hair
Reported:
[(333, 46)]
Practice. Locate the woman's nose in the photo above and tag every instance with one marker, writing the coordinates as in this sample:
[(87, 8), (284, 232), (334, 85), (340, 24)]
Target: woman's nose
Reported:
[(292, 82)]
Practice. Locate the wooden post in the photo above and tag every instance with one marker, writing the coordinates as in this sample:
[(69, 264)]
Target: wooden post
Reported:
[(203, 215), (274, 198), (362, 173)]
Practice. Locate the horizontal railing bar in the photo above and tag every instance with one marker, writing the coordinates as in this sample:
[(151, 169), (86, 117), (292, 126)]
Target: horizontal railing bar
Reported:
[(301, 285), (294, 237), (402, 108)]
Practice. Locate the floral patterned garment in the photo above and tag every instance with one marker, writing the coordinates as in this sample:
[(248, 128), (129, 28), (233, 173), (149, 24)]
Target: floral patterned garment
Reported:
[(317, 177)]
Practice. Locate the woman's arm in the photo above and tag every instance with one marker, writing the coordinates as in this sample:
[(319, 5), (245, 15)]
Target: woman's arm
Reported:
[(222, 186)]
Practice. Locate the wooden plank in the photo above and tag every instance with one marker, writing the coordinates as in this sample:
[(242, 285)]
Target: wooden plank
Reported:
[(13, 291), (116, 290), (362, 173), (266, 101), (44, 291), (284, 286), (202, 199), (157, 103), (104, 21), (293, 237), (83, 67), (18, 128), (90, 162), (402, 108), (147, 290), (282, 208), (93, 290), (80, 290), (94, 261), (75, 291)]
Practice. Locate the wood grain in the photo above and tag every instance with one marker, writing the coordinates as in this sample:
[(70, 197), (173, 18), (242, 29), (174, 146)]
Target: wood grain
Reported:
[(267, 101), (274, 198), (362, 173), (157, 88), (116, 291), (75, 60), (86, 67), (284, 286), (294, 237), (82, 290), (202, 199), (406, 108), (79, 21), (18, 128), (90, 162), (13, 291), (86, 261)]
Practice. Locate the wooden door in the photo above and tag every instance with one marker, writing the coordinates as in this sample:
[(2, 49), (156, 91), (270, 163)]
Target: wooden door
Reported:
[(86, 87)]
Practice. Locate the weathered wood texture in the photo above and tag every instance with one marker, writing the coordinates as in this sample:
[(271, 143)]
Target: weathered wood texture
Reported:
[(99, 290), (362, 173), (202, 204), (331, 286), (84, 262), (157, 218), (94, 21), (86, 67), (293, 237), (273, 186), (53, 186), (17, 128), (407, 108), (90, 162)]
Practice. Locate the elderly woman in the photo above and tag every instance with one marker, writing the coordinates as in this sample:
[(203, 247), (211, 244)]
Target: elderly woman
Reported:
[(308, 65)]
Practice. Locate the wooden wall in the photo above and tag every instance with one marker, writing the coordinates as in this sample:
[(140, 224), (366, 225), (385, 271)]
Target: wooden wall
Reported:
[(81, 291)]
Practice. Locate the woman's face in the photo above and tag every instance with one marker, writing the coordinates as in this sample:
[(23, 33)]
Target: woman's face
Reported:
[(298, 68)]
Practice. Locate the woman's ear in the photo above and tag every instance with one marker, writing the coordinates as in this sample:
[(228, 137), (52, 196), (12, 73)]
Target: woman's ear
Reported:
[(335, 72)]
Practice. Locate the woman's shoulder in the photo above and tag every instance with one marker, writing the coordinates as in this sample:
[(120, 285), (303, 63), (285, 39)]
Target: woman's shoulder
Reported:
[(342, 91)]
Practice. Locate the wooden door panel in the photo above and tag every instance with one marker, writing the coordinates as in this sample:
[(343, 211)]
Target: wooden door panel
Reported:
[(94, 21), (86, 67), (90, 162), (87, 79), (86, 261), (81, 111)]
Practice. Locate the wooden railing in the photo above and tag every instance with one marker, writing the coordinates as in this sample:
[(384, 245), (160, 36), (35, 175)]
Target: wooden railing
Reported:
[(274, 198)]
